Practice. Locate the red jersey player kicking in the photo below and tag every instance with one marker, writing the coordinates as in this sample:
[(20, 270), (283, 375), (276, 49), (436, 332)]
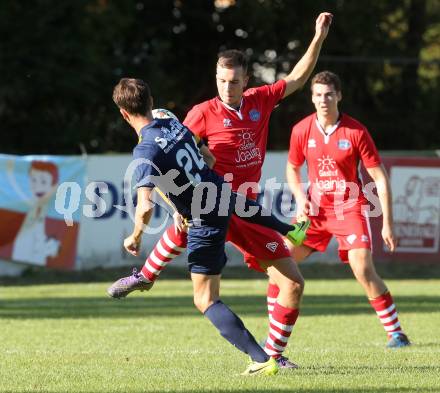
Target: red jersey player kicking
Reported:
[(333, 144), (235, 127)]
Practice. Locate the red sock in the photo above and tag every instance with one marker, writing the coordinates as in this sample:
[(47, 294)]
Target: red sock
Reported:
[(272, 294), (282, 321), (387, 313), (169, 246)]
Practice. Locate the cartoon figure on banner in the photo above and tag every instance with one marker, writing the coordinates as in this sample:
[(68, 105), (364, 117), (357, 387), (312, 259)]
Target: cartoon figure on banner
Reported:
[(32, 244), (413, 207), (417, 208)]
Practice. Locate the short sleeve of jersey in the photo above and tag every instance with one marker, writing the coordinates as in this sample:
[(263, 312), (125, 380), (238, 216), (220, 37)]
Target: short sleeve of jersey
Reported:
[(273, 93), (367, 150), (296, 153), (195, 121), (144, 166)]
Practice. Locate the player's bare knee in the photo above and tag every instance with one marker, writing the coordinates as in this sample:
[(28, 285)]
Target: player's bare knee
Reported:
[(366, 274), (298, 281), (299, 287), (302, 284), (201, 303), (294, 287)]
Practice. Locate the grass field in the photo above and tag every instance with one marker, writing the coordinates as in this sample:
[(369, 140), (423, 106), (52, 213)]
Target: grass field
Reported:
[(72, 338)]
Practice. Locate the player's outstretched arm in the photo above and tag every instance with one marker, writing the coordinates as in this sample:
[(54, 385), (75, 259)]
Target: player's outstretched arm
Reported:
[(380, 177), (303, 69), (144, 210)]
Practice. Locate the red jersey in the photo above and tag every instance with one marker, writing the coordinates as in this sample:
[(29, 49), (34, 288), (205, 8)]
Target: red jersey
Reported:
[(237, 138), (333, 159)]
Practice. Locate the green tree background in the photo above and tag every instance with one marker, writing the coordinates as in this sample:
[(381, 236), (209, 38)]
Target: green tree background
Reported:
[(60, 60)]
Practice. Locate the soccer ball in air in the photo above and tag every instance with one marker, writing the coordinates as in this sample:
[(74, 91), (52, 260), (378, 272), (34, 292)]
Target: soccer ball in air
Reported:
[(161, 113)]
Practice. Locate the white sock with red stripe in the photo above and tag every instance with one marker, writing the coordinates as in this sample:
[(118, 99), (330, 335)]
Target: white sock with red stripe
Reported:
[(281, 325), (272, 294), (169, 246), (387, 313)]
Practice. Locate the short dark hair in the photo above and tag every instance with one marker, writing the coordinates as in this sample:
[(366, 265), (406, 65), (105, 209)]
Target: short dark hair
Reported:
[(133, 95), (327, 78), (232, 58)]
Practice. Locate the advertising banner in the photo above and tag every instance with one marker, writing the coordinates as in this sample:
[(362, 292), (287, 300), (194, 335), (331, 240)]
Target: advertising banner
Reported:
[(32, 231), (51, 216), (415, 183), (107, 215)]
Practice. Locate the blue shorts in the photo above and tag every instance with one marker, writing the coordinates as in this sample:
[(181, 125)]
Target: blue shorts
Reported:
[(206, 248), (206, 241)]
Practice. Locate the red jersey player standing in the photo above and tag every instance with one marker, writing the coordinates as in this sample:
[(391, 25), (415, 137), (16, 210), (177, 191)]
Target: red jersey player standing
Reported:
[(235, 127), (333, 144)]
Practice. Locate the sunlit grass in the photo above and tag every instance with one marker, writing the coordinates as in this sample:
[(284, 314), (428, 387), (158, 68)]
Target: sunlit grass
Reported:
[(72, 338)]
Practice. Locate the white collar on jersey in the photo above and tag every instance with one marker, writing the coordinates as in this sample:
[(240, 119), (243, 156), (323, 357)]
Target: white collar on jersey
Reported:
[(330, 131), (238, 111)]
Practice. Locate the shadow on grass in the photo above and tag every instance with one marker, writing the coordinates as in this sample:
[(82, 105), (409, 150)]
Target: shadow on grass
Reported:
[(39, 275), (173, 306), (258, 390)]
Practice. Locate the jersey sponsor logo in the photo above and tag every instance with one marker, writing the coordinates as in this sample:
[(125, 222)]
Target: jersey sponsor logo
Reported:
[(171, 135), (162, 142), (227, 123), (331, 186), (327, 167), (254, 115), (344, 144), (243, 156), (311, 143), (351, 238), (247, 150), (272, 246), (326, 163)]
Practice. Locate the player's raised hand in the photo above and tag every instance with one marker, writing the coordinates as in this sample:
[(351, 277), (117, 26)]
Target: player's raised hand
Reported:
[(323, 23), (132, 245), (388, 237)]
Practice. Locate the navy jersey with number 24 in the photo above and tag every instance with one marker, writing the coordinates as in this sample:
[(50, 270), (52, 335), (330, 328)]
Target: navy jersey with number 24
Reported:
[(167, 157)]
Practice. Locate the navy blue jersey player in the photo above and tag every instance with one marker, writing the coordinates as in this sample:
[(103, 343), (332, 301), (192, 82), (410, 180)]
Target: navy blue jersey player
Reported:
[(167, 157)]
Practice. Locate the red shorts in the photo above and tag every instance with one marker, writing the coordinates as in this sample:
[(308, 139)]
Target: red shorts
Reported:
[(256, 242), (352, 232)]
